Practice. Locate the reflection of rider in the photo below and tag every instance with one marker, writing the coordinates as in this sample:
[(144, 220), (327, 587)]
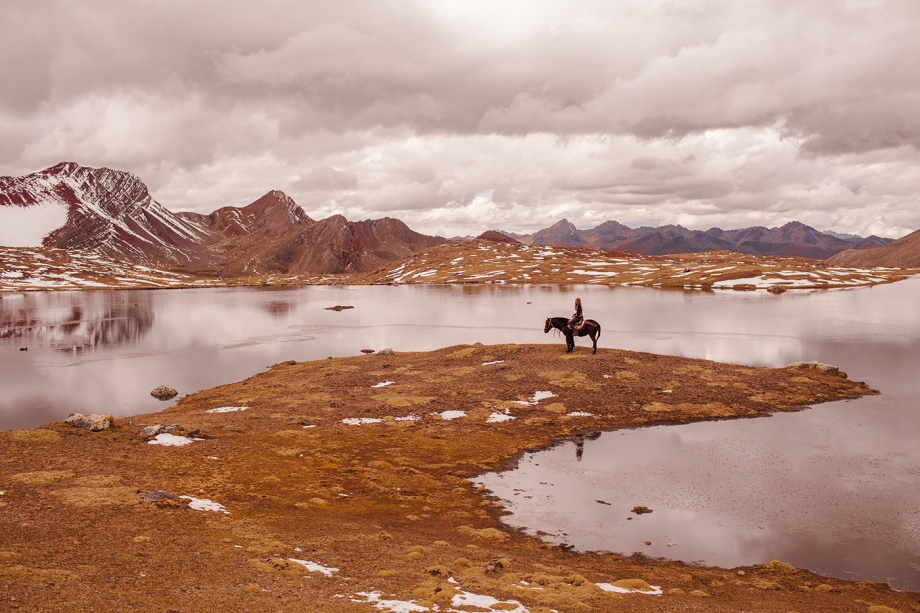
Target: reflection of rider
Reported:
[(578, 318)]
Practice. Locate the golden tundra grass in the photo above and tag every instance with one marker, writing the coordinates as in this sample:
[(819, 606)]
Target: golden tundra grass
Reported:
[(387, 503)]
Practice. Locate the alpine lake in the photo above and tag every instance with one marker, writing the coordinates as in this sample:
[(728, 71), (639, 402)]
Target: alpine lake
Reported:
[(834, 489)]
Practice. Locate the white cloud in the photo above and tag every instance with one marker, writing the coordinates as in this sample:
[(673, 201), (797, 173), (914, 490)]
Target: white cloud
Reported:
[(699, 113)]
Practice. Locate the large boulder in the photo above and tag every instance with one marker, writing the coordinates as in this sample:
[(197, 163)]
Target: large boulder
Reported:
[(92, 422), (164, 393), (151, 431)]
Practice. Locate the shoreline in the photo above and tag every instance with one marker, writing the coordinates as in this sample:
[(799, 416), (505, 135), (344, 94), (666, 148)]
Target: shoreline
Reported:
[(330, 463), (468, 263)]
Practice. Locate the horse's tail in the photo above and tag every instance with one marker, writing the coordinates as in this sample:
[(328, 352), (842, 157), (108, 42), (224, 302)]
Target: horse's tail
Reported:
[(598, 330)]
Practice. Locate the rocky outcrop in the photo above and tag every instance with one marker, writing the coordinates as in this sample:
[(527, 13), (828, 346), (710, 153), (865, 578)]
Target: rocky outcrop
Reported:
[(93, 422), (829, 369)]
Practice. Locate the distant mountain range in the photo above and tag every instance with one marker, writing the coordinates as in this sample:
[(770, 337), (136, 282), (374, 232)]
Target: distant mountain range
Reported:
[(794, 239), (111, 212)]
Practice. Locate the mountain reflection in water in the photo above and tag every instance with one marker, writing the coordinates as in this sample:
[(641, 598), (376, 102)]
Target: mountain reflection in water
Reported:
[(77, 323)]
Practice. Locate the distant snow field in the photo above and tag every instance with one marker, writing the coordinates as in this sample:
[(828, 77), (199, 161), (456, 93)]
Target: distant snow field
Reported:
[(27, 226)]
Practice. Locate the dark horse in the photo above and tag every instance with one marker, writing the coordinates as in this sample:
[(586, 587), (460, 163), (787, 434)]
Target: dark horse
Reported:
[(590, 328)]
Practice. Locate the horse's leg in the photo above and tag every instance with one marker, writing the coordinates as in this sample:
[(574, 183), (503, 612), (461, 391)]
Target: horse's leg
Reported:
[(594, 340), (569, 343)]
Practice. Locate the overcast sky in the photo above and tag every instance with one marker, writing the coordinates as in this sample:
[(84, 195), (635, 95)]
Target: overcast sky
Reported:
[(459, 116)]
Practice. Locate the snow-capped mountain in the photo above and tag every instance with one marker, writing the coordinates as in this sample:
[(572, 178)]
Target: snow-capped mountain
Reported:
[(69, 206)]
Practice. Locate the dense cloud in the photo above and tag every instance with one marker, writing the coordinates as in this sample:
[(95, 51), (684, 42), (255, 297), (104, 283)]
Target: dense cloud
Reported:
[(458, 116)]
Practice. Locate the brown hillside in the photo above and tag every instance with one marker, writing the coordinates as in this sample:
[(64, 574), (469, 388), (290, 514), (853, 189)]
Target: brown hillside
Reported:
[(903, 253)]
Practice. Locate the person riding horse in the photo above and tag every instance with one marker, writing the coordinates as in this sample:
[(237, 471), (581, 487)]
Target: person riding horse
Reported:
[(577, 318)]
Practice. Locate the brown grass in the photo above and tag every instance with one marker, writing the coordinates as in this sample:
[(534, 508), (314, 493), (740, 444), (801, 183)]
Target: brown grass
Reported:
[(385, 502)]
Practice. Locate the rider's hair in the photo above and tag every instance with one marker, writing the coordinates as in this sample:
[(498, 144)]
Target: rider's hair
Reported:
[(578, 300)]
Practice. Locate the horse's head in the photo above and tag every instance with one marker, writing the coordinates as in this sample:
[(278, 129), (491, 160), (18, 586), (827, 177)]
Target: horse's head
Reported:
[(549, 325)]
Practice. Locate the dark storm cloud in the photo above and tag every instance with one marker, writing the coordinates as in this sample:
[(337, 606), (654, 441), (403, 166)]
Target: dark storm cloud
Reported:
[(482, 113)]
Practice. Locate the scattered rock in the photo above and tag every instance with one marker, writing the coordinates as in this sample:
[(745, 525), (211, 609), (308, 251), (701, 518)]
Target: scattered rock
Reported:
[(151, 431), (367, 351), (387, 351), (831, 370), (157, 495), (339, 307), (640, 510), (290, 363), (23, 349), (648, 542), (164, 393), (171, 428), (194, 433), (92, 422), (776, 289)]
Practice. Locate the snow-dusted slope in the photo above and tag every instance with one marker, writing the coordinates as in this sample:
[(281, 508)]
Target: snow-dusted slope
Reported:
[(108, 211)]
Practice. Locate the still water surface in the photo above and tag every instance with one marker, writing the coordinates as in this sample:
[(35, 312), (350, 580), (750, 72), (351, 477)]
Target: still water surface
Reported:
[(834, 489)]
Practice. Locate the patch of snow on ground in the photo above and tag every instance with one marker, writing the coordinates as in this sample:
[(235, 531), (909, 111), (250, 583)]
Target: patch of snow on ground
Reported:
[(26, 226), (314, 567), (490, 363), (410, 417), (500, 416), (607, 587), (394, 606), (594, 273), (452, 414), (537, 397), (358, 421), (172, 440), (384, 383), (581, 414), (226, 409), (204, 504), (468, 599), (310, 426)]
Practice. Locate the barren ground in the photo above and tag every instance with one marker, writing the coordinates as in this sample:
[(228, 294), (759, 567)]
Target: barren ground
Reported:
[(327, 466)]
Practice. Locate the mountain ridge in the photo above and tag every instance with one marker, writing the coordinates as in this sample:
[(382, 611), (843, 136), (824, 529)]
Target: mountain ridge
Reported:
[(112, 213), (793, 239)]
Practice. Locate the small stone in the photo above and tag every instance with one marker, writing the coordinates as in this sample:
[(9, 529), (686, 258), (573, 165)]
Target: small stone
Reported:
[(171, 428), (164, 393), (640, 510), (193, 433), (648, 542), (387, 351), (741, 573), (151, 431), (290, 362), (339, 307), (367, 351), (92, 422)]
